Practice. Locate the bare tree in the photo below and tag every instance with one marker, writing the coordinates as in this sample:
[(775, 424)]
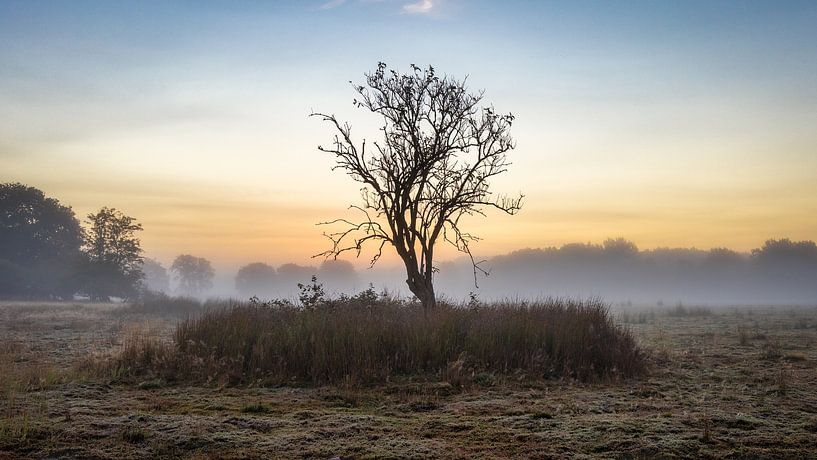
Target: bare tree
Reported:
[(433, 166)]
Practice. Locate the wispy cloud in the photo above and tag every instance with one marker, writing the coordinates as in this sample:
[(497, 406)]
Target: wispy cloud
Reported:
[(421, 7), (331, 4)]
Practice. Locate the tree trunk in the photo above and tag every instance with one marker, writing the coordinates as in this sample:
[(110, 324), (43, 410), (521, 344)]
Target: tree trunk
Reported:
[(419, 285), (428, 300), (425, 293)]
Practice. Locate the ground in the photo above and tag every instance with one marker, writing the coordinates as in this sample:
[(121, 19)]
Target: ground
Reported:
[(727, 382)]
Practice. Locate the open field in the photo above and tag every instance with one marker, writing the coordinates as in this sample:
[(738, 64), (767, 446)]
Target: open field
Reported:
[(723, 382)]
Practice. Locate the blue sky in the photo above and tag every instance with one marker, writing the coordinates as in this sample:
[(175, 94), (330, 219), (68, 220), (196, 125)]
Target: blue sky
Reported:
[(670, 123)]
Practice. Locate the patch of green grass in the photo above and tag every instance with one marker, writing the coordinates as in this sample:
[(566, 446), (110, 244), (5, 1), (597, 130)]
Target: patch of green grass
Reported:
[(23, 427), (255, 408), (343, 399), (152, 384), (485, 379), (422, 405), (795, 357), (133, 435)]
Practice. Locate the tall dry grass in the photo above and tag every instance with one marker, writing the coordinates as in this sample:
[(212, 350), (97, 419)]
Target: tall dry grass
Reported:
[(351, 340), (159, 303), (23, 411)]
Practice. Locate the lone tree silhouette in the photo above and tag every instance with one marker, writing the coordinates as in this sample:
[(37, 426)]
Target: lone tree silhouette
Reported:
[(438, 152)]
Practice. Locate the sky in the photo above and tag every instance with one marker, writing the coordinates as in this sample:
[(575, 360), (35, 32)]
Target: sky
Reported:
[(666, 123)]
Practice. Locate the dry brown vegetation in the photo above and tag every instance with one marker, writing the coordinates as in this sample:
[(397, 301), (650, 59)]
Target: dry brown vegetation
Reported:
[(353, 341), (734, 382)]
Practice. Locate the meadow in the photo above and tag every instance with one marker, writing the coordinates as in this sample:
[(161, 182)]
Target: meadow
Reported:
[(163, 379)]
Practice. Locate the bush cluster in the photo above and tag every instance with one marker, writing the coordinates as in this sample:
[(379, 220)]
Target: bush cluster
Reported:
[(366, 339)]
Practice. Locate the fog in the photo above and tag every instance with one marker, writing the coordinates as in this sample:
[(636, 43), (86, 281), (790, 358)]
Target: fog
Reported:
[(778, 272), (45, 253)]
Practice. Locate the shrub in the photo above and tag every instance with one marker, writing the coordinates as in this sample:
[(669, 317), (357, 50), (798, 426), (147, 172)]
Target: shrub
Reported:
[(141, 353), (133, 434), (350, 340)]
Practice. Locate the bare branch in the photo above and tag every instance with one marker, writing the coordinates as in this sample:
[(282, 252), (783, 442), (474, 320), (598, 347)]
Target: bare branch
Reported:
[(434, 163)]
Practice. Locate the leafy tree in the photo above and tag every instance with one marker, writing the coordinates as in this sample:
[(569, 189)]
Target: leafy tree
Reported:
[(156, 278), (789, 263), (255, 279), (15, 281), (40, 242), (785, 252), (433, 166), (620, 248), (114, 255), (194, 275)]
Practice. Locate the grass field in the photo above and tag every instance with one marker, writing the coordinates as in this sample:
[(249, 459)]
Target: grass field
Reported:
[(731, 382)]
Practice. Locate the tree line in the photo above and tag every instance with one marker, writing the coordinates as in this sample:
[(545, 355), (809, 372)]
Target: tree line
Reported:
[(46, 253), (779, 271)]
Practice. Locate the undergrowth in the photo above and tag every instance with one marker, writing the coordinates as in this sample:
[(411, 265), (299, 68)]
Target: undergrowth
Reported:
[(366, 338)]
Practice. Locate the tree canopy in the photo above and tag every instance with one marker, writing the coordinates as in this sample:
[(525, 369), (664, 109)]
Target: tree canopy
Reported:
[(255, 279), (40, 242), (156, 278), (114, 255), (194, 275)]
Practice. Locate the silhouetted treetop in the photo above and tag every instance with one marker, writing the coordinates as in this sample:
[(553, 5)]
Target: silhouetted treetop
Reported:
[(620, 248), (114, 255), (34, 227), (724, 257), (786, 251), (40, 241), (112, 238)]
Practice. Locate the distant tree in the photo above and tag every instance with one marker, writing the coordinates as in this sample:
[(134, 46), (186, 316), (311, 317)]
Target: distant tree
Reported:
[(579, 254), (785, 252), (620, 248), (194, 275), (723, 258), (792, 264), (289, 275), (114, 255), (677, 257), (256, 279), (40, 242), (338, 275), (156, 277), (433, 166)]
